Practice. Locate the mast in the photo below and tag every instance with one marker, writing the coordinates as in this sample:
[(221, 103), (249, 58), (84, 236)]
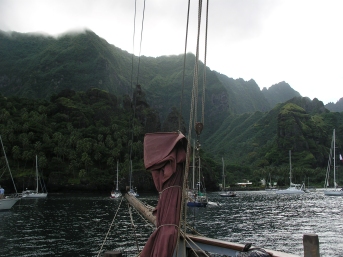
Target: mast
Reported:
[(193, 165), (130, 173), (37, 174), (334, 156), (223, 189), (199, 174), (117, 177), (290, 169), (8, 166)]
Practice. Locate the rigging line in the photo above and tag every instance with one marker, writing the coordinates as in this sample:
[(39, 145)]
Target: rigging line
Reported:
[(133, 227), (140, 45), (196, 66), (188, 239), (184, 65), (191, 116), (133, 46), (145, 220), (204, 73), (3, 168), (193, 109), (110, 227), (8, 166), (133, 105)]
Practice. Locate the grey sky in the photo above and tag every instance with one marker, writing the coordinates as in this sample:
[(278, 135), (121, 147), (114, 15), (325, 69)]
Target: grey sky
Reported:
[(296, 41)]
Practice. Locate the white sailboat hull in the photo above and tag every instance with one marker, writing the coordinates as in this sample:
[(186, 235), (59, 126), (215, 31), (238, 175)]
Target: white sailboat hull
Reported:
[(294, 189), (7, 203), (333, 192), (228, 194), (34, 195), (115, 194), (290, 190)]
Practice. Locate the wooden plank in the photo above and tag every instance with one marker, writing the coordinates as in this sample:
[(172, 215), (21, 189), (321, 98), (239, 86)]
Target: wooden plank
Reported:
[(233, 246), (311, 245), (139, 206), (112, 254)]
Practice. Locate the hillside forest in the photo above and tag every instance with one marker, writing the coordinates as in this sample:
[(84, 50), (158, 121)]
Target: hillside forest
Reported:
[(70, 101)]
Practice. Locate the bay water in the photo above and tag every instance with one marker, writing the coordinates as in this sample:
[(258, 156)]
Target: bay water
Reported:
[(71, 224)]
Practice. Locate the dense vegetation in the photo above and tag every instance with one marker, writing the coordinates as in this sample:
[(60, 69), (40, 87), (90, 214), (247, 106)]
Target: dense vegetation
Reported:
[(77, 136), (68, 100)]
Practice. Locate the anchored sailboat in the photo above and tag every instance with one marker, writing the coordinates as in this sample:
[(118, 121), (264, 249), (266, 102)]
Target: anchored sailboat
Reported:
[(293, 188), (116, 193), (132, 191), (35, 193), (7, 202), (224, 192), (196, 196), (335, 191)]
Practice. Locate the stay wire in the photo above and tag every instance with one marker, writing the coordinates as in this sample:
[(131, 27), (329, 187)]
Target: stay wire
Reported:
[(110, 227), (133, 227), (133, 47), (138, 68), (140, 45), (196, 66), (194, 97), (204, 73), (184, 65), (190, 124), (133, 106)]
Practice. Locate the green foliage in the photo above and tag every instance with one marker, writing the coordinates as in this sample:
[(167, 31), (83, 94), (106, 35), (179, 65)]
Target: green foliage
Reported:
[(78, 137), (87, 124)]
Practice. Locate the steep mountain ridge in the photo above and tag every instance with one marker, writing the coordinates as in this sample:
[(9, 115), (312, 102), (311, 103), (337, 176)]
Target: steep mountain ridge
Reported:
[(238, 115), (37, 66)]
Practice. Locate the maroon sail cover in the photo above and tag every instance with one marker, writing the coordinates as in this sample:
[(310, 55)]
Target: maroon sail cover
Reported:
[(164, 156)]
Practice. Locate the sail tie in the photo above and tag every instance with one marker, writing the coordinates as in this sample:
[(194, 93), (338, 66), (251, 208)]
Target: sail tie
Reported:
[(168, 225), (169, 188)]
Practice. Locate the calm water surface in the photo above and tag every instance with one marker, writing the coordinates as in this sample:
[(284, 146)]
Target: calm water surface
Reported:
[(76, 225)]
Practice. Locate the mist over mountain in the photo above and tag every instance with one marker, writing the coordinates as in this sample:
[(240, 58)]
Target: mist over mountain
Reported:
[(249, 127), (37, 66)]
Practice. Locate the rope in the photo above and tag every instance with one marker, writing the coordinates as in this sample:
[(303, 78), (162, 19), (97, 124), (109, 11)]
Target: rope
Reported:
[(133, 45), (184, 66), (3, 172), (140, 45), (169, 188), (133, 227), (194, 103), (204, 77), (145, 220), (168, 225), (196, 66), (187, 239), (8, 166), (110, 227), (139, 60), (131, 88)]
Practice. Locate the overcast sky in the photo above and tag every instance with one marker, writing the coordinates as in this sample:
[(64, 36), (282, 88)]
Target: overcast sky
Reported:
[(296, 41)]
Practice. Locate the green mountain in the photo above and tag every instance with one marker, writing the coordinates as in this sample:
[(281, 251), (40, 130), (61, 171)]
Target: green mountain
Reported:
[(79, 81), (279, 93), (36, 66), (337, 107)]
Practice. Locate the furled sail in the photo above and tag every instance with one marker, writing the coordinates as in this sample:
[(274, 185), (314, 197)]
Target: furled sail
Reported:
[(164, 156)]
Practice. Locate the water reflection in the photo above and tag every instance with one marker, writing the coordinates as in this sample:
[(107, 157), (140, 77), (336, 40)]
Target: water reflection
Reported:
[(70, 225)]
